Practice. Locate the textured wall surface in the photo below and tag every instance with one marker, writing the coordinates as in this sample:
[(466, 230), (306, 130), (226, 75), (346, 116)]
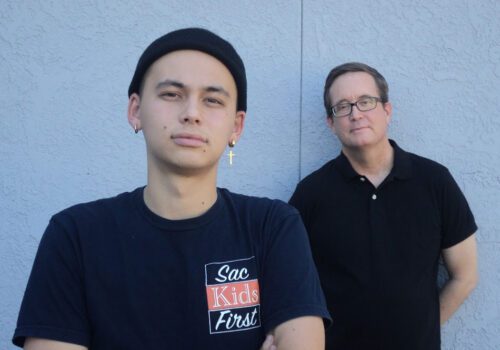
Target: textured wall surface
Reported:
[(65, 67)]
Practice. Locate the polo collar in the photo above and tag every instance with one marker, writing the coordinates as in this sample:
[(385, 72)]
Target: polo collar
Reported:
[(401, 168)]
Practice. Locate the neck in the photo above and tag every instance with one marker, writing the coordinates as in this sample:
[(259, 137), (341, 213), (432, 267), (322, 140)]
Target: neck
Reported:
[(373, 162), (177, 196)]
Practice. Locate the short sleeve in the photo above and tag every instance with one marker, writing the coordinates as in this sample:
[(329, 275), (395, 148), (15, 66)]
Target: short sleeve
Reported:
[(299, 202), (457, 219), (290, 283), (53, 306)]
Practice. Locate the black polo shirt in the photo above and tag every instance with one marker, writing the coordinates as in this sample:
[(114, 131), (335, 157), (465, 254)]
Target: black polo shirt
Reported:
[(377, 249)]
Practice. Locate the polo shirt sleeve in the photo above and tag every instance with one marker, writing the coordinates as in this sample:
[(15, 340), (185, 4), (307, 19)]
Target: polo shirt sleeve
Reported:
[(457, 219), (300, 201), (53, 306), (290, 284)]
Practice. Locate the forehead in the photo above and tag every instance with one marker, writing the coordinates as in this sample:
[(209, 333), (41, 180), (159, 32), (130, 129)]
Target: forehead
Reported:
[(352, 85), (192, 68)]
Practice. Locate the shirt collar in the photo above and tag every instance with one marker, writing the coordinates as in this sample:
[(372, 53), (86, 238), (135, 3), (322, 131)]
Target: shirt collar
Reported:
[(401, 168)]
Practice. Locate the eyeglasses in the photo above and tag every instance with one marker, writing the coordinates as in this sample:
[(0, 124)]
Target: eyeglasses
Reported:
[(364, 104)]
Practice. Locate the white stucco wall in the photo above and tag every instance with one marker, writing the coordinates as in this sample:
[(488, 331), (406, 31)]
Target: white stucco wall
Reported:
[(65, 67)]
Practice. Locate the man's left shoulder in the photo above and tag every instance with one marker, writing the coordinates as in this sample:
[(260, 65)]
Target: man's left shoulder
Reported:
[(262, 206), (426, 167), (434, 176)]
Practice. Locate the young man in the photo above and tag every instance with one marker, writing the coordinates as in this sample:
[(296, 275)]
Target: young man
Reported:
[(179, 263), (378, 219)]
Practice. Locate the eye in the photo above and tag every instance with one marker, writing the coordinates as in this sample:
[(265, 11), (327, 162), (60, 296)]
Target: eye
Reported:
[(342, 107), (214, 101), (364, 103), (170, 95)]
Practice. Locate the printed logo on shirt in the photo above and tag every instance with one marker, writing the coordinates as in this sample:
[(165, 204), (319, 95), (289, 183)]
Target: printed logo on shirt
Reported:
[(233, 295)]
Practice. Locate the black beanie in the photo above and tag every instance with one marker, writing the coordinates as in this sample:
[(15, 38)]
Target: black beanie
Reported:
[(194, 39)]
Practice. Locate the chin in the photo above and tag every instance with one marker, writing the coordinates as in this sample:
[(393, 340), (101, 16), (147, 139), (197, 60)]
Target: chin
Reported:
[(194, 165), (365, 141), (359, 142)]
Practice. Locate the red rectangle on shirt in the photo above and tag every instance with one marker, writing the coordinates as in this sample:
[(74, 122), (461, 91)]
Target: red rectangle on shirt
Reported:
[(233, 295)]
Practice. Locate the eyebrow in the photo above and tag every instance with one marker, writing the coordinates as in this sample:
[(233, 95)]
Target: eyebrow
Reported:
[(344, 100), (168, 82), (218, 89)]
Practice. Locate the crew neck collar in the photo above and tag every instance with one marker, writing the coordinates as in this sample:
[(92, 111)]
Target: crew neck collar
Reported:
[(177, 225)]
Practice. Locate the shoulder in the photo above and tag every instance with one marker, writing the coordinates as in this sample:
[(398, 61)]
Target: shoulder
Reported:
[(316, 186), (318, 176), (256, 204), (87, 224), (265, 220), (428, 170), (425, 164), (257, 207), (95, 212), (99, 205), (429, 176)]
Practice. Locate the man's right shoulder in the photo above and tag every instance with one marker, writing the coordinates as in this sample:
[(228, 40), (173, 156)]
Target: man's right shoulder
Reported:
[(318, 176), (312, 188), (96, 210)]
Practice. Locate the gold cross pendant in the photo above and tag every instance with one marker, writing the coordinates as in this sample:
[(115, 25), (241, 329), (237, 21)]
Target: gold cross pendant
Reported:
[(231, 154)]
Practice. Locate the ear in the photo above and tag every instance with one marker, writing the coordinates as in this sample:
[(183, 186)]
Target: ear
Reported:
[(239, 122), (134, 103), (388, 112), (331, 124)]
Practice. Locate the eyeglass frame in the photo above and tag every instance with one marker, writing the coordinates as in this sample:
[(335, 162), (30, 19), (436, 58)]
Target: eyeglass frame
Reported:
[(352, 104)]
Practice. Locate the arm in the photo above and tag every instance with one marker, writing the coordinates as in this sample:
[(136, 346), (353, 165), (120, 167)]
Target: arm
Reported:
[(461, 262), (53, 305), (302, 333), (268, 343), (44, 344), (291, 292)]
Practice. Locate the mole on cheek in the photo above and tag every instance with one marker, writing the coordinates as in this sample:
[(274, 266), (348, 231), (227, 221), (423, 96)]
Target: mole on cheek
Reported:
[(164, 127)]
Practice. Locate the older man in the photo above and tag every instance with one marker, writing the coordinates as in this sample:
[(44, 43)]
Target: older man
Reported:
[(378, 219)]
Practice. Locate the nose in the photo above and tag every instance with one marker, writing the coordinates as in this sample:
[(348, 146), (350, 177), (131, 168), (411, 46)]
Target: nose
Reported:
[(192, 112), (355, 113)]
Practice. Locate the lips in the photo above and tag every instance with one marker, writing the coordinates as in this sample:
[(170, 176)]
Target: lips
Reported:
[(359, 128), (189, 139)]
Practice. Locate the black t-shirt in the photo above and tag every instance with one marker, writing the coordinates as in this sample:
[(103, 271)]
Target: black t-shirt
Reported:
[(111, 274), (377, 249)]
